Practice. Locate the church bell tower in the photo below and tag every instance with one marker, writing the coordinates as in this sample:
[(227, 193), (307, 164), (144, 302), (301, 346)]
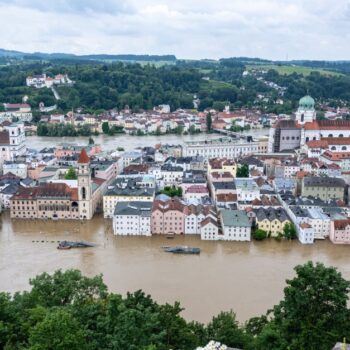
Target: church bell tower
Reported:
[(84, 186)]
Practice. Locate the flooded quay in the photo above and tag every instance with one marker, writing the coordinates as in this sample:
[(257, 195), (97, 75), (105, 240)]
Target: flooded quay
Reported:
[(246, 277)]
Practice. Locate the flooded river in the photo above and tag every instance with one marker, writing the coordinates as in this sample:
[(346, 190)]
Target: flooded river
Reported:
[(246, 277), (128, 142)]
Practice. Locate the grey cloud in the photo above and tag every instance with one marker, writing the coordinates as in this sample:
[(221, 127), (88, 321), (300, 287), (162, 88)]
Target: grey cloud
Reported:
[(190, 29)]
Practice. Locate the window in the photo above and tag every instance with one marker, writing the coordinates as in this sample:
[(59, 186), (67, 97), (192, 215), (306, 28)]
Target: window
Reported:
[(83, 193)]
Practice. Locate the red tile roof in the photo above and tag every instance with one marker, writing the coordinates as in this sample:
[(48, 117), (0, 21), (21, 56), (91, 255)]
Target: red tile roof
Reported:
[(341, 224), (83, 157), (58, 190), (336, 155), (328, 125), (226, 197)]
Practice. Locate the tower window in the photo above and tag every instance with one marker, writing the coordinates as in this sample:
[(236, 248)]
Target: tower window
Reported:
[(83, 193)]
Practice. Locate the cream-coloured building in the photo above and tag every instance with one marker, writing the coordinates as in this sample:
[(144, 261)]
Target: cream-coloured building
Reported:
[(271, 220)]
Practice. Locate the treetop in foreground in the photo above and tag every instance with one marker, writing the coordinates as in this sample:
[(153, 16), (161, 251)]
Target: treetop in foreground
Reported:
[(66, 310)]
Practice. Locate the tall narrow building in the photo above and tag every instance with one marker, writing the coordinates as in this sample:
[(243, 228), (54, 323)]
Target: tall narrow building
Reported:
[(84, 186)]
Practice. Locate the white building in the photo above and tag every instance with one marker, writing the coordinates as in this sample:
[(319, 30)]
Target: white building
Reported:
[(129, 157), (194, 216), (12, 142), (132, 218), (247, 189), (320, 223), (171, 175), (5, 195), (37, 81), (236, 225), (224, 147), (305, 233), (18, 169), (209, 229)]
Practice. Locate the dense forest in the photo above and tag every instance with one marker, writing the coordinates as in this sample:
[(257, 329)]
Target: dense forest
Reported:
[(66, 310), (102, 86)]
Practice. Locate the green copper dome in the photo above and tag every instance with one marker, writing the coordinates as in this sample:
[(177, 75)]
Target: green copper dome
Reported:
[(307, 102)]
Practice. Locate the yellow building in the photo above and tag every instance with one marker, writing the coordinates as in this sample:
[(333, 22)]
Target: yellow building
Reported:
[(222, 165), (271, 220)]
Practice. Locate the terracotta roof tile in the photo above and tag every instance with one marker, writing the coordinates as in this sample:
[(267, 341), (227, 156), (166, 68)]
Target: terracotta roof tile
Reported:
[(83, 157)]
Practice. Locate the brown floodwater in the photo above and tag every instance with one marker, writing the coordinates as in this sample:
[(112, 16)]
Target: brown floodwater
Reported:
[(246, 277)]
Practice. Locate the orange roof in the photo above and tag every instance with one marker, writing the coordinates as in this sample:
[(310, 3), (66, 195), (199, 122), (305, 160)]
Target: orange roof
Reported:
[(336, 155), (327, 141), (83, 157), (337, 124), (317, 144), (311, 126), (341, 224), (301, 174)]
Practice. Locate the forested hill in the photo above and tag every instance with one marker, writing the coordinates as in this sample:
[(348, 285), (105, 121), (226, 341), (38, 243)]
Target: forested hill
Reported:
[(54, 56), (142, 85)]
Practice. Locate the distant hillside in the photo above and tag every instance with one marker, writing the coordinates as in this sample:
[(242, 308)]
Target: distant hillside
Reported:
[(95, 57)]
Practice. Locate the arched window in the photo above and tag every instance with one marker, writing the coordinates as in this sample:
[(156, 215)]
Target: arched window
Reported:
[(333, 148), (330, 135), (302, 117), (341, 135), (83, 193), (343, 148), (307, 139)]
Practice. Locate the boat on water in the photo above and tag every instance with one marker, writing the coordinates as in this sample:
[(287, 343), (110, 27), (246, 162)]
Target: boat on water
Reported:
[(69, 245), (181, 250)]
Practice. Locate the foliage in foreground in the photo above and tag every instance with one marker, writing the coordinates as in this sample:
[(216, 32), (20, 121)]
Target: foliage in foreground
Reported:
[(69, 311)]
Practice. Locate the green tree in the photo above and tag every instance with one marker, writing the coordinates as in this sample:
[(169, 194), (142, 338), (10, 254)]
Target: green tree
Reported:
[(59, 331), (225, 329), (179, 130), (209, 122), (139, 132), (260, 234), (158, 133), (289, 231), (65, 288), (105, 128), (172, 191), (243, 171), (313, 313), (192, 130), (71, 174)]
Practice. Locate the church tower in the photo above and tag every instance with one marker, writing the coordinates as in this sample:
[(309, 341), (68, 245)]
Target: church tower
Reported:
[(84, 186), (306, 112)]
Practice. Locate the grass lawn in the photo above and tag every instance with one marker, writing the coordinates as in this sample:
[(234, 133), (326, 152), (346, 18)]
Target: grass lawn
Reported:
[(290, 69)]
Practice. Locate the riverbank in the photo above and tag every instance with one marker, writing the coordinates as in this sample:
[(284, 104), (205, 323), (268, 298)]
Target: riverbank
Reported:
[(246, 277)]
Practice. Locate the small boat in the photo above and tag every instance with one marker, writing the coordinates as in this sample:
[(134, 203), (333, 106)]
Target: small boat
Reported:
[(68, 245), (181, 250), (170, 237)]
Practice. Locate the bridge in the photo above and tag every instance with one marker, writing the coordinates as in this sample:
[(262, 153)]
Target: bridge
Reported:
[(232, 133)]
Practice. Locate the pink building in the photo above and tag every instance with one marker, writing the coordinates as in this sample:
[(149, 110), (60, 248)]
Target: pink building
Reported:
[(69, 150), (196, 192), (340, 231), (168, 217)]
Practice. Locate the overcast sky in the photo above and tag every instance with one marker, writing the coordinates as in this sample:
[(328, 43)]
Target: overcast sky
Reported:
[(310, 29)]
